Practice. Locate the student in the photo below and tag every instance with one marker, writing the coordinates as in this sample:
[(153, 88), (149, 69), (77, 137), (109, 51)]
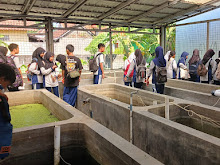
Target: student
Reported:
[(126, 67), (62, 60), (99, 74), (194, 62), (7, 77), (171, 65), (216, 80), (159, 61), (4, 59), (139, 60), (71, 84), (182, 71), (37, 77), (210, 67), (51, 73)]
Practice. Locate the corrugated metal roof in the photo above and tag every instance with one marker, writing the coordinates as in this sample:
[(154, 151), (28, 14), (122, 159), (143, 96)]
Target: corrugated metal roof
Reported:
[(116, 12)]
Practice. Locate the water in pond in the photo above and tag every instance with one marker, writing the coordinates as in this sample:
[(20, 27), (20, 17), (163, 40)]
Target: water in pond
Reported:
[(30, 114), (200, 125)]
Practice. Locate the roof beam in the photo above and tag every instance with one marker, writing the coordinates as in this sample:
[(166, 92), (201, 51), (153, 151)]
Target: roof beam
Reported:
[(170, 17), (116, 9), (28, 6), (27, 2), (73, 8), (153, 10)]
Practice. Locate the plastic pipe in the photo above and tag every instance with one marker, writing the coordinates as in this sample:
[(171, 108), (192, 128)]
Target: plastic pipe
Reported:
[(167, 111), (56, 145)]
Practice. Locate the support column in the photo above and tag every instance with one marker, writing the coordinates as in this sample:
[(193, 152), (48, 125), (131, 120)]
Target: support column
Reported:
[(207, 37), (49, 35), (110, 44), (163, 38)]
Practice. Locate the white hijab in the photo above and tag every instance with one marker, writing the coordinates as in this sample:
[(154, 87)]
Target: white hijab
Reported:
[(167, 55), (129, 59)]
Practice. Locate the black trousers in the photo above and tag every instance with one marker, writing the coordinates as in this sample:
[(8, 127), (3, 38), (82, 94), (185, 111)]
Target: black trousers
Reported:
[(160, 88), (13, 89), (138, 85)]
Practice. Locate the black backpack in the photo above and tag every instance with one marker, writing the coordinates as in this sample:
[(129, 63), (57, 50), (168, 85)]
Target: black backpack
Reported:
[(161, 74), (193, 68), (93, 66)]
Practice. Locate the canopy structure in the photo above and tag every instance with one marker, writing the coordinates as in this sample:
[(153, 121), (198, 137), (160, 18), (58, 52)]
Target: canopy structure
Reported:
[(106, 14)]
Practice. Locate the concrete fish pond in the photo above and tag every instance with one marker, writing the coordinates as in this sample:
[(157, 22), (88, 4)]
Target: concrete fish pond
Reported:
[(82, 139), (30, 114), (157, 124)]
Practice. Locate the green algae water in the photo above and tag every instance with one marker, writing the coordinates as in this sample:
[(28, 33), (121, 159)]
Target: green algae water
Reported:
[(30, 114)]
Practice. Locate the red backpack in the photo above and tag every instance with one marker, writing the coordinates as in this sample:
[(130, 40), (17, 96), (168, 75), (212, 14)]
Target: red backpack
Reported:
[(126, 71)]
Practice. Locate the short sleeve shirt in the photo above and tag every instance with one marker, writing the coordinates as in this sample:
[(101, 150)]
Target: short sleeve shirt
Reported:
[(72, 82), (99, 59)]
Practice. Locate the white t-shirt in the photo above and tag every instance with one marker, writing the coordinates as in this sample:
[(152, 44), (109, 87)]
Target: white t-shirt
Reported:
[(16, 61), (99, 59)]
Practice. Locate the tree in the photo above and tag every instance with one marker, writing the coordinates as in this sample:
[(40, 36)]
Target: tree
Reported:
[(171, 38), (2, 43)]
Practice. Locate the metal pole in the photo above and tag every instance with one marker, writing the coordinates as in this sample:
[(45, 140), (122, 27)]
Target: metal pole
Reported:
[(163, 38), (207, 39), (56, 145), (110, 44), (49, 35)]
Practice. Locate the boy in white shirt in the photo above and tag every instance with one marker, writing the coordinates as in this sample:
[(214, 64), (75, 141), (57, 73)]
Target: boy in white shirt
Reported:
[(99, 74)]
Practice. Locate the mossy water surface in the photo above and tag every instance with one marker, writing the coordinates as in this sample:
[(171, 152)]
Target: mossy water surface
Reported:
[(30, 114)]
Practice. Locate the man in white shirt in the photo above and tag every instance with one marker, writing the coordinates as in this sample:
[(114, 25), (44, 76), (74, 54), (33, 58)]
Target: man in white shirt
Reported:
[(99, 74), (14, 49)]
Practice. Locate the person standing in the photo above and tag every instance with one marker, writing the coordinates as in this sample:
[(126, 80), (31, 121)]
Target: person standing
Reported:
[(156, 63), (210, 66), (216, 80), (138, 64), (194, 62), (36, 64), (99, 74), (71, 72), (182, 71), (126, 68), (171, 65)]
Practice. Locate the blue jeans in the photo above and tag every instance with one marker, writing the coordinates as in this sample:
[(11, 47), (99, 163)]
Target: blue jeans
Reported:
[(55, 90), (70, 95)]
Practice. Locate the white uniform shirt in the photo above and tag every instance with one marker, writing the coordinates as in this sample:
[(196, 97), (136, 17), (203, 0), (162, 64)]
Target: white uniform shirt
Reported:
[(99, 59)]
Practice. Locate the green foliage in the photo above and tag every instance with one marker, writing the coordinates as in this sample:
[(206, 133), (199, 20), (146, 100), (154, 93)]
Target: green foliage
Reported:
[(2, 43), (127, 43), (171, 38), (83, 62), (23, 69)]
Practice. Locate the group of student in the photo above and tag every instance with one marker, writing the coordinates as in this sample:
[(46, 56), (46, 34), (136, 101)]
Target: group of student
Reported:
[(43, 73), (165, 66)]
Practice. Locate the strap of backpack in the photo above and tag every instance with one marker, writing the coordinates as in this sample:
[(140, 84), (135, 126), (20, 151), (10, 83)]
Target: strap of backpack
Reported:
[(67, 64)]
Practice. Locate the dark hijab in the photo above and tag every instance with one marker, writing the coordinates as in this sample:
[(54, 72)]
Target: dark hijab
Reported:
[(182, 59), (172, 53), (48, 64), (139, 57), (61, 59), (195, 57), (3, 52), (207, 56), (36, 54), (159, 59)]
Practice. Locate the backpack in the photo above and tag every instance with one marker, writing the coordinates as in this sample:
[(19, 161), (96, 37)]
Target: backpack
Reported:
[(29, 73), (161, 74), (202, 71), (141, 70), (218, 72), (193, 69), (93, 66), (127, 68), (72, 72)]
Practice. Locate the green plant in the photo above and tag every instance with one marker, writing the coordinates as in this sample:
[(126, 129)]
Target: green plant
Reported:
[(83, 62), (2, 43), (171, 38)]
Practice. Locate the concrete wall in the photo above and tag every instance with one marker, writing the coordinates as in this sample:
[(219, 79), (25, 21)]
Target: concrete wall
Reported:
[(173, 143)]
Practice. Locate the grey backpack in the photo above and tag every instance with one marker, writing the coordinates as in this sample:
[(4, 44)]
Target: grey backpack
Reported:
[(93, 66), (161, 74), (141, 70)]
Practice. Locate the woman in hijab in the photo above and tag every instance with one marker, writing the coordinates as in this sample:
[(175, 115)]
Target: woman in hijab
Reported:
[(171, 65), (134, 66), (194, 62), (210, 66), (216, 80), (36, 64), (126, 67), (4, 59), (158, 61), (182, 71), (50, 73)]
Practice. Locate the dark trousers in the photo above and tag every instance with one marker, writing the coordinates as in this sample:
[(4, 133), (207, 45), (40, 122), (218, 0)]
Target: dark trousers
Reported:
[(194, 78), (138, 85), (13, 89), (55, 90), (216, 82), (160, 88), (128, 84), (205, 82)]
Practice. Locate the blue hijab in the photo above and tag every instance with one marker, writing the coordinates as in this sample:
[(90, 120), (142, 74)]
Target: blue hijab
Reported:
[(182, 59), (159, 59)]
